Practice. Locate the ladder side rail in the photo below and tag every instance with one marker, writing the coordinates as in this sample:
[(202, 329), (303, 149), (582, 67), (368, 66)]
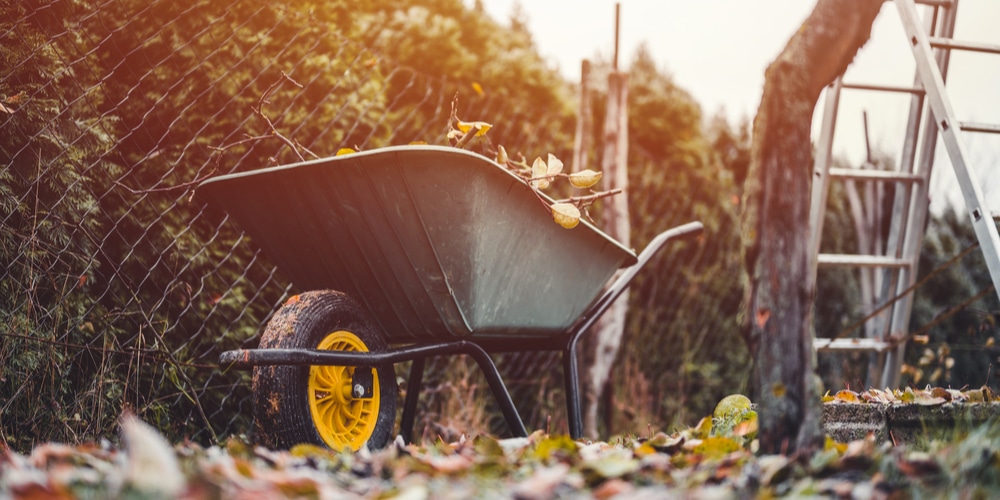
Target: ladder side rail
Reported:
[(979, 211), (931, 70), (820, 191), (902, 194)]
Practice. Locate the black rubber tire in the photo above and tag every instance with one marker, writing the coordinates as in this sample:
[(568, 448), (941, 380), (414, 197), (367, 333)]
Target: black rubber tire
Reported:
[(282, 417)]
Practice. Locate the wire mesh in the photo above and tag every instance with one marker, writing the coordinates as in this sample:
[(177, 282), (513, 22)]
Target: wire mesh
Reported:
[(118, 289)]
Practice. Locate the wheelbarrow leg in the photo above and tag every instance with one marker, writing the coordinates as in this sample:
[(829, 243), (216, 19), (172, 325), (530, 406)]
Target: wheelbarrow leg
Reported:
[(572, 380), (590, 316), (500, 393), (413, 387)]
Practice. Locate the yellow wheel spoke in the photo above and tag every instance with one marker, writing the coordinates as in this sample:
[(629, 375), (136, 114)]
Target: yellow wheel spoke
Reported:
[(341, 419)]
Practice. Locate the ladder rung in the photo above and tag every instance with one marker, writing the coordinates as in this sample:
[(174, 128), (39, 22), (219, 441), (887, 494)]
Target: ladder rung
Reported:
[(873, 175), (855, 260), (875, 345), (949, 43), (988, 128), (884, 88)]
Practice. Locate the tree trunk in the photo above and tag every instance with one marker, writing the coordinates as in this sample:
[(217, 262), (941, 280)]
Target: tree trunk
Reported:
[(606, 334), (777, 322)]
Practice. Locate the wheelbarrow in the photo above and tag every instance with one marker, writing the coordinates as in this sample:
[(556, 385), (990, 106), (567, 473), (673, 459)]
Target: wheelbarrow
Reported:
[(411, 252)]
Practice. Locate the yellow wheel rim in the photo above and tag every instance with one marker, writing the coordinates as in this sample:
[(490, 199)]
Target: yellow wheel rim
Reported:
[(341, 419)]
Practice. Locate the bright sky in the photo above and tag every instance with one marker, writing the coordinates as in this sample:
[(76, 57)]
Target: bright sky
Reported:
[(718, 50)]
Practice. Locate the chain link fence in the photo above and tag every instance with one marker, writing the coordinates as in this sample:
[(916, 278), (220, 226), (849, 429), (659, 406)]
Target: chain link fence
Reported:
[(118, 290)]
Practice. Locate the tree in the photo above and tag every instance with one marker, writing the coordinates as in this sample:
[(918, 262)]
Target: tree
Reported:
[(681, 351), (777, 315)]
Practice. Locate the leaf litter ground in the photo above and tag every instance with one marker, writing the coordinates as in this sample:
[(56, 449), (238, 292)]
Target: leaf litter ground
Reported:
[(708, 460)]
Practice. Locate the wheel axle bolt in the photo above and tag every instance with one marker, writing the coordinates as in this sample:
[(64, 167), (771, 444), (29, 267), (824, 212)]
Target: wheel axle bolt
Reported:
[(359, 391)]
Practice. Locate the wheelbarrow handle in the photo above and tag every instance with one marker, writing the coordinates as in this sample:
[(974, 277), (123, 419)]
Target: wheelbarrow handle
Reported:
[(570, 362), (627, 274)]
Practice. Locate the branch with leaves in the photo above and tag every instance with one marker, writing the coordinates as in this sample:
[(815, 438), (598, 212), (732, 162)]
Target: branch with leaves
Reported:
[(540, 175)]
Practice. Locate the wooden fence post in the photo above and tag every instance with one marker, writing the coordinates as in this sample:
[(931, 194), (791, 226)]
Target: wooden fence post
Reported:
[(584, 122), (608, 331)]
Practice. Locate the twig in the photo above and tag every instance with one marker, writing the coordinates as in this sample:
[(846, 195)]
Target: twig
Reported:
[(277, 135), (591, 198), (467, 138), (186, 185), (259, 111)]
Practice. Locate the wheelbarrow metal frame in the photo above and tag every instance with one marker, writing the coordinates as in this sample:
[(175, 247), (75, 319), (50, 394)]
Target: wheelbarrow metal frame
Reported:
[(479, 348)]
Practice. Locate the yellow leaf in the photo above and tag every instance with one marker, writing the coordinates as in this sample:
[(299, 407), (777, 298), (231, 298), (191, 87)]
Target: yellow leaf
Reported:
[(555, 165), (554, 447), (538, 169), (846, 396), (345, 151), (716, 447), (827, 397), (830, 444), (566, 214), (703, 429), (467, 126), (312, 451), (502, 156), (478, 88), (975, 396), (584, 178), (644, 450)]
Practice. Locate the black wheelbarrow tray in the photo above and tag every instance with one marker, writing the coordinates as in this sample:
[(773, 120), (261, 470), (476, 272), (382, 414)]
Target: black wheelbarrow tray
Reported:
[(411, 252)]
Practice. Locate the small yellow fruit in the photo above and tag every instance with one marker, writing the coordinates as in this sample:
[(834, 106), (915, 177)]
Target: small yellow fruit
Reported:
[(584, 178), (566, 214)]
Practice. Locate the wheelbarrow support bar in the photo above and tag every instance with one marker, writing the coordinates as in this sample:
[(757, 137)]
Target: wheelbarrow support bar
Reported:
[(246, 358), (570, 362)]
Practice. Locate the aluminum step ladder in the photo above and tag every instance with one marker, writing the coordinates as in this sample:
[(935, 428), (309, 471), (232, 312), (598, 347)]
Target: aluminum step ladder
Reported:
[(891, 272)]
